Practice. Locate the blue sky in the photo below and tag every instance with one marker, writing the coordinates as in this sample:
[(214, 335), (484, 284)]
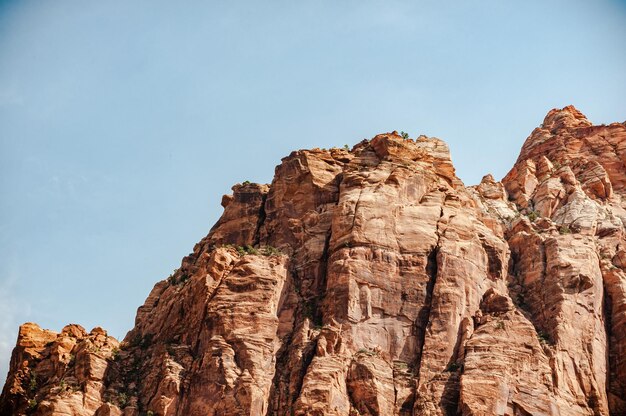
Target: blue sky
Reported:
[(122, 123)]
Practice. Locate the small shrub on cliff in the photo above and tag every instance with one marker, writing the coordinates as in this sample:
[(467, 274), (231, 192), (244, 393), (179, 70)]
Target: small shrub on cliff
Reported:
[(246, 183), (122, 400), (544, 338), (242, 251), (346, 147), (365, 351), (251, 250), (270, 251), (532, 216), (32, 385), (264, 251), (404, 135), (32, 404), (171, 278), (93, 349), (115, 354), (564, 229)]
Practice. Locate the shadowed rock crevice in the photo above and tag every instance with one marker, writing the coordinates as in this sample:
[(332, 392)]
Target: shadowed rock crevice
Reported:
[(614, 299), (424, 313), (261, 220)]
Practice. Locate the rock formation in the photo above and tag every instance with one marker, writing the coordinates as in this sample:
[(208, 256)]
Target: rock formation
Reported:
[(371, 281)]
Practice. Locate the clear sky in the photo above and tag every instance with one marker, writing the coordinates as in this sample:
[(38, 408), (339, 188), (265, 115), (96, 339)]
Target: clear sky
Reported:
[(122, 123)]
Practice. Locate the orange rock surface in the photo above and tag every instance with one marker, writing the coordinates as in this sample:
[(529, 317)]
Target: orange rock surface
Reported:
[(373, 282)]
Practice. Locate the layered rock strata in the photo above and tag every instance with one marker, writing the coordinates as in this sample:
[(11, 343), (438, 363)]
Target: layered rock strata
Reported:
[(371, 281)]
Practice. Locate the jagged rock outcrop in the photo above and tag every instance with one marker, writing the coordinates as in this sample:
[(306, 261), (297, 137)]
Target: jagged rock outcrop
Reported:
[(58, 373), (371, 281)]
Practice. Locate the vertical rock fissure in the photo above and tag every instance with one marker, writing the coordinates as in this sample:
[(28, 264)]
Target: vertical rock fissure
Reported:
[(321, 284), (424, 315), (452, 391), (613, 384), (281, 376), (356, 207), (537, 317), (395, 388), (280, 402), (307, 359), (432, 269), (543, 293), (309, 353), (261, 220)]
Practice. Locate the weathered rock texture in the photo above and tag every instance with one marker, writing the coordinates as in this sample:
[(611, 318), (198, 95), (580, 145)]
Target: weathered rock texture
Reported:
[(373, 282)]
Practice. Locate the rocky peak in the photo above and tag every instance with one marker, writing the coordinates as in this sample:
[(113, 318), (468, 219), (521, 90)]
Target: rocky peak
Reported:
[(371, 281), (566, 117), (568, 150)]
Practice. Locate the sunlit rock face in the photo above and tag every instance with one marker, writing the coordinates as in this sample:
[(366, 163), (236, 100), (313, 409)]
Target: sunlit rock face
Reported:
[(371, 281)]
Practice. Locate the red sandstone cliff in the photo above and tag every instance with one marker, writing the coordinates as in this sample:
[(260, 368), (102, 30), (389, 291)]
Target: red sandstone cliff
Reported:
[(373, 282)]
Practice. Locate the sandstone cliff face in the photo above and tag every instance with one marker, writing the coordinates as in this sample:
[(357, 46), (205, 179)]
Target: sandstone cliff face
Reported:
[(373, 282)]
